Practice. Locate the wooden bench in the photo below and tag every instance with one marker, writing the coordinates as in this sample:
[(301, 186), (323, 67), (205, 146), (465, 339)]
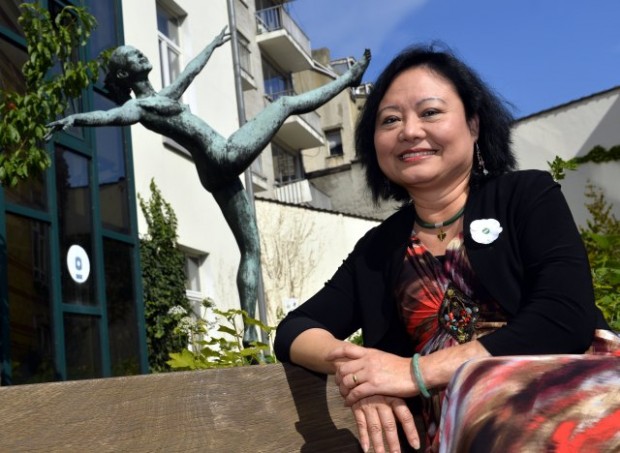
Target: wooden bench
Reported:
[(266, 408)]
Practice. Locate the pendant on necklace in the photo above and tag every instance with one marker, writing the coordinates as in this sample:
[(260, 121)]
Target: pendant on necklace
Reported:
[(441, 235)]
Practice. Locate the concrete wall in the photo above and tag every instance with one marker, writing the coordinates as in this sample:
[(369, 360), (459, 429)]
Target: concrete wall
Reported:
[(350, 193), (569, 131), (302, 248)]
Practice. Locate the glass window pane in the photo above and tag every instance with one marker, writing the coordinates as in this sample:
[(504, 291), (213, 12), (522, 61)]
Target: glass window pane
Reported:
[(9, 12), (334, 140), (12, 59), (113, 192), (168, 24), (31, 192), (286, 166), (105, 35), (30, 304), (82, 346), (174, 64), (121, 301), (75, 225), (192, 272), (276, 84)]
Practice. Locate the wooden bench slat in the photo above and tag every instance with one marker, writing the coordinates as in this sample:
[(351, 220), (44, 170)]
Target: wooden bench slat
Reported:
[(267, 408)]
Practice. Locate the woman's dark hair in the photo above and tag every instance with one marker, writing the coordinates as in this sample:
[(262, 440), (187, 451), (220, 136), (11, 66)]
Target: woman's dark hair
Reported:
[(495, 119), (118, 88)]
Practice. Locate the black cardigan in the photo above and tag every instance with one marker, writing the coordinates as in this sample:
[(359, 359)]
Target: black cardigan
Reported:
[(537, 270)]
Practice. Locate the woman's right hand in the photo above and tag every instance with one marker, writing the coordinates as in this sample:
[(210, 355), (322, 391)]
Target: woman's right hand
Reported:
[(378, 416)]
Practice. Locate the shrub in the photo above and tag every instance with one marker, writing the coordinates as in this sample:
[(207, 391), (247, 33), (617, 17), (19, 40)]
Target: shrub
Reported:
[(216, 340)]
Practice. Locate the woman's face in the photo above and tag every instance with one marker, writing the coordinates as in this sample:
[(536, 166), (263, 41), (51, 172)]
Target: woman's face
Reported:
[(422, 138)]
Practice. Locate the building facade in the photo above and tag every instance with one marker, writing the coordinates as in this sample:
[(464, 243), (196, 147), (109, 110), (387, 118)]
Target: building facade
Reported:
[(70, 294)]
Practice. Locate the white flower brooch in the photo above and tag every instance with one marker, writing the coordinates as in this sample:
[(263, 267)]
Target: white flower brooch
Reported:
[(485, 231)]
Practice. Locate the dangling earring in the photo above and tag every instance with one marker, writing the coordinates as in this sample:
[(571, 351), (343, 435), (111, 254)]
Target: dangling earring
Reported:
[(481, 166)]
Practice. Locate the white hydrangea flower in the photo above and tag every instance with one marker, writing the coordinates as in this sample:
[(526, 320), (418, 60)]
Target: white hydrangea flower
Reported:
[(177, 310), (485, 231), (187, 325)]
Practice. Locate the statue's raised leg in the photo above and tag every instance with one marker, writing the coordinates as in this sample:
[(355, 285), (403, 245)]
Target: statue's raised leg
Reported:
[(247, 143)]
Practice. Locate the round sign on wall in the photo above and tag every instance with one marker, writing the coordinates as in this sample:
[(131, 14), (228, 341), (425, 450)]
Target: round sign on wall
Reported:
[(78, 264)]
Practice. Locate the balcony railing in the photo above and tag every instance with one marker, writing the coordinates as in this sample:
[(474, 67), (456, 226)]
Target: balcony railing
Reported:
[(303, 192), (276, 18)]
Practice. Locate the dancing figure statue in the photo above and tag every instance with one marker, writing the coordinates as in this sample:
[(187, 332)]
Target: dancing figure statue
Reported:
[(219, 160)]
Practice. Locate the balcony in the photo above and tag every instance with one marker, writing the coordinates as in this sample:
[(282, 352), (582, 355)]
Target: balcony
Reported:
[(281, 38), (299, 131), (304, 193)]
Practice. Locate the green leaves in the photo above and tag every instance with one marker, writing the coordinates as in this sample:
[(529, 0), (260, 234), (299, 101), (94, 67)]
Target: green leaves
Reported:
[(223, 347), (602, 236), (559, 166), (602, 241), (597, 155), (51, 44)]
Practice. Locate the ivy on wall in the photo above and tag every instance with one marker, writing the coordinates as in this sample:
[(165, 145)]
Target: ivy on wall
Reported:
[(163, 278), (597, 155)]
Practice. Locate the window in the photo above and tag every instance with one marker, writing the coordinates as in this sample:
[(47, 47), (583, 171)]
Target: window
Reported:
[(287, 167), (245, 56), (169, 45), (334, 141), (192, 272), (276, 83), (9, 14)]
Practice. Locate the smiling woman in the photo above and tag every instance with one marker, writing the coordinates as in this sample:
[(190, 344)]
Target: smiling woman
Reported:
[(423, 140), (462, 271)]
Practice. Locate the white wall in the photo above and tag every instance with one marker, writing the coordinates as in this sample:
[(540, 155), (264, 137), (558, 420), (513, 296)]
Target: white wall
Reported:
[(212, 97), (312, 245), (570, 131)]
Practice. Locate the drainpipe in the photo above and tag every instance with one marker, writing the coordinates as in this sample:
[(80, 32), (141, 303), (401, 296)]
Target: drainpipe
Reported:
[(234, 42)]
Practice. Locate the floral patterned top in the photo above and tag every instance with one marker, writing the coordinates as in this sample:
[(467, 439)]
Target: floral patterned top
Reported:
[(441, 300)]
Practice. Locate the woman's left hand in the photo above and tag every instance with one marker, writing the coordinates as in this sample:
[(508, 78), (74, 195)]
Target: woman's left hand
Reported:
[(363, 372), (377, 418)]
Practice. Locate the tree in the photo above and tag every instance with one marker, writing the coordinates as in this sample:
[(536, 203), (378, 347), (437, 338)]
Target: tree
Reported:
[(53, 74), (286, 258), (163, 279)]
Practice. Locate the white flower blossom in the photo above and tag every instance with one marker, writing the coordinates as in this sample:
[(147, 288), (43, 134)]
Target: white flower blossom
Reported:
[(186, 325), (177, 310), (485, 231)]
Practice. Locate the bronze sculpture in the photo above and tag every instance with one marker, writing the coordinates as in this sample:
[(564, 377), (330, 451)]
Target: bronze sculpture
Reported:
[(219, 160)]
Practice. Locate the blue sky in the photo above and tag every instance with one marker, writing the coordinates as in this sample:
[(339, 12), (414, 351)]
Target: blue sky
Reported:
[(537, 54)]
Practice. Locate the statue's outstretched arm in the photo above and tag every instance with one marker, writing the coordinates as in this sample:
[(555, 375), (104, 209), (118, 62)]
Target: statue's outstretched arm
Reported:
[(125, 115), (176, 89)]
